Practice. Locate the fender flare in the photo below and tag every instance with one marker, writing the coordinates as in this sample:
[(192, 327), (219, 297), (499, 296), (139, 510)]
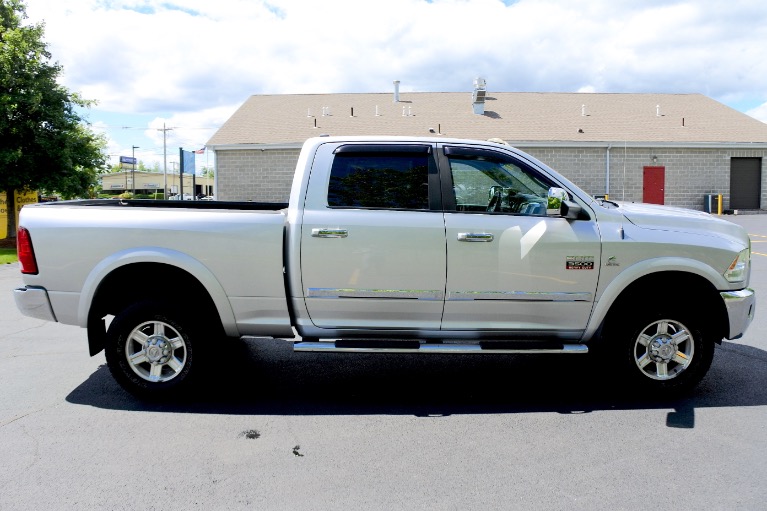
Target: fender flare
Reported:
[(642, 269), (161, 256)]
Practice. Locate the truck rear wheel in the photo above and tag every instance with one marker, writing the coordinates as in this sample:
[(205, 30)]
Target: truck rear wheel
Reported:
[(150, 349), (668, 350)]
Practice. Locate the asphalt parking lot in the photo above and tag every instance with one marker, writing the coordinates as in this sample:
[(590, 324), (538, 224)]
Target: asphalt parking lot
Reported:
[(283, 430)]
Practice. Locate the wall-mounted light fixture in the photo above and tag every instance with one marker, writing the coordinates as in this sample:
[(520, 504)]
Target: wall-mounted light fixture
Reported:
[(655, 159)]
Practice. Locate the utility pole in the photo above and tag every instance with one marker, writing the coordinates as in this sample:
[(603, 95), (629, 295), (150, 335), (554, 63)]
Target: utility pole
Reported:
[(165, 159)]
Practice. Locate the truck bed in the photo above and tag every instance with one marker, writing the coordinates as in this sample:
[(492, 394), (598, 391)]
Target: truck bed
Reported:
[(233, 249)]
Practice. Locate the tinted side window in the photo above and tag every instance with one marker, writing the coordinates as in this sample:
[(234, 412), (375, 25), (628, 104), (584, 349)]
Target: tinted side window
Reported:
[(386, 181), (482, 184)]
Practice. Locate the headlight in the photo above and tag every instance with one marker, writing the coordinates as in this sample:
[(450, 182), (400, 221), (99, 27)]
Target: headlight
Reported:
[(738, 270)]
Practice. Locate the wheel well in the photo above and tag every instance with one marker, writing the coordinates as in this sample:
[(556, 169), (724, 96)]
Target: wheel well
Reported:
[(127, 285), (679, 288)]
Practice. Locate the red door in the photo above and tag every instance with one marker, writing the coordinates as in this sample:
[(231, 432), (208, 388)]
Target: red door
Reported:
[(653, 184)]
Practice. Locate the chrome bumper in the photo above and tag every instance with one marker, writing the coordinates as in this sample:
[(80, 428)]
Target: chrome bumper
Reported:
[(34, 302), (740, 306)]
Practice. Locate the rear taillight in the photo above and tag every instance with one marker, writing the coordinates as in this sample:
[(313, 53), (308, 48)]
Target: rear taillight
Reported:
[(26, 252)]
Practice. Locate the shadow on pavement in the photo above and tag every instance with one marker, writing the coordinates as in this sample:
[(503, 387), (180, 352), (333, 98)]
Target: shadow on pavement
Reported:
[(265, 377)]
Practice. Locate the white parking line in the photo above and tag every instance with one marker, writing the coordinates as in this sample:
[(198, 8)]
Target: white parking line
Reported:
[(758, 241)]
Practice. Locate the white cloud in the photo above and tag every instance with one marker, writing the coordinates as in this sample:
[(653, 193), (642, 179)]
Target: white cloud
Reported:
[(759, 112), (187, 60), (146, 55)]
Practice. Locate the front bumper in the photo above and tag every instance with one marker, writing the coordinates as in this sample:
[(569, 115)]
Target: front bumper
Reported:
[(34, 302), (740, 307)]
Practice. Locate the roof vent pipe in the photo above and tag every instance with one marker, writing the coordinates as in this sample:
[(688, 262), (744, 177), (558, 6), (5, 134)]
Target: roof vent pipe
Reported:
[(478, 96), (396, 91)]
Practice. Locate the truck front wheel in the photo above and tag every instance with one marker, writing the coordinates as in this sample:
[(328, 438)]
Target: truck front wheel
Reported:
[(666, 351), (150, 349)]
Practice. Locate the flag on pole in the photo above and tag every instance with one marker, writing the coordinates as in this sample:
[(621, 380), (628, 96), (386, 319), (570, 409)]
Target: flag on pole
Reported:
[(200, 151)]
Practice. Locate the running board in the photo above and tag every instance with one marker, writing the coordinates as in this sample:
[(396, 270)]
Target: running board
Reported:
[(347, 346)]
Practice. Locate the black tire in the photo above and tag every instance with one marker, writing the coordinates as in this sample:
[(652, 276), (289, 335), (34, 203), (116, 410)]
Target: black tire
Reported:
[(662, 352), (151, 347)]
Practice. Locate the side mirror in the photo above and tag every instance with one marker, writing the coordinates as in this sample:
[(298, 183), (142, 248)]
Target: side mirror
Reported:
[(570, 210), (556, 197)]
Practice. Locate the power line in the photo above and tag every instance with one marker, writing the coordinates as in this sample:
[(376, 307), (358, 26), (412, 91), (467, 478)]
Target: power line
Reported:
[(98, 126)]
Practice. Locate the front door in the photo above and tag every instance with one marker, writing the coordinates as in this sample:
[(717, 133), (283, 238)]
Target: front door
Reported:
[(373, 240), (511, 268)]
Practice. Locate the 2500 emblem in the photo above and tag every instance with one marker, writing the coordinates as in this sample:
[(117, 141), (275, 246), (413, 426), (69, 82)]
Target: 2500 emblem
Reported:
[(579, 263)]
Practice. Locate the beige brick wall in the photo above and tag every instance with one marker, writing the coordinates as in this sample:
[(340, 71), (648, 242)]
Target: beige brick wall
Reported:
[(690, 173), (266, 176), (255, 175)]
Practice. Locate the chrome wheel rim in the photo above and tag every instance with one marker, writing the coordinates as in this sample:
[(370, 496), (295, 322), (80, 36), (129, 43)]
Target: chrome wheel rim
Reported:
[(156, 351), (664, 349)]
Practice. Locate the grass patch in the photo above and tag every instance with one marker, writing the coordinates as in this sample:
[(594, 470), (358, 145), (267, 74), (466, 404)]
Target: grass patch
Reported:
[(8, 255)]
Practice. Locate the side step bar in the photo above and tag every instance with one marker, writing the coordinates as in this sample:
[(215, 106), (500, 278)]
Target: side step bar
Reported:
[(346, 346)]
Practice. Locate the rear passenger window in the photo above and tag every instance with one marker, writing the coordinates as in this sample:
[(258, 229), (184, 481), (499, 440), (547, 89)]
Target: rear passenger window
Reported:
[(381, 181)]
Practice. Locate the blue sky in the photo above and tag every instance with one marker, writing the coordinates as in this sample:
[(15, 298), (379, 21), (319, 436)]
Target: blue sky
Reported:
[(191, 64)]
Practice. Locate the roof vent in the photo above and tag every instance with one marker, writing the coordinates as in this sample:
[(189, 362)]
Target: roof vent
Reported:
[(478, 96), (396, 91)]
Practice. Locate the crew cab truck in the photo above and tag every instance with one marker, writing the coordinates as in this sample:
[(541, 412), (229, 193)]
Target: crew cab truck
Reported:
[(392, 244)]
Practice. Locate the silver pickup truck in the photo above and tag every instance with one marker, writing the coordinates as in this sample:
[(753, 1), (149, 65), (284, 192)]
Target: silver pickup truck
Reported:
[(393, 244)]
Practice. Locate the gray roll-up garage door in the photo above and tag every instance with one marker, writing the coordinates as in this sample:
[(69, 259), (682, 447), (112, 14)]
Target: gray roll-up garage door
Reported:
[(745, 183)]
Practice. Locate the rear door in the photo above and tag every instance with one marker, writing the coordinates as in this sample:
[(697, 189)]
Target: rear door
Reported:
[(373, 238), (512, 269)]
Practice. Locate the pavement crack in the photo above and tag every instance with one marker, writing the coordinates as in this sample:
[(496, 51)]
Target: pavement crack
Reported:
[(18, 417)]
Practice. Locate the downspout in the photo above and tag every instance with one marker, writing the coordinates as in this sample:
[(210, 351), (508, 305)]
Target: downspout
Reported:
[(216, 193), (607, 170)]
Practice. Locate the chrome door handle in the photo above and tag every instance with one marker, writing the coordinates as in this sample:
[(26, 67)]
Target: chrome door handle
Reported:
[(475, 236), (324, 232)]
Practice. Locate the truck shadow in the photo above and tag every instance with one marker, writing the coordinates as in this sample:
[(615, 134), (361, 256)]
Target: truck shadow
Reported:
[(265, 377)]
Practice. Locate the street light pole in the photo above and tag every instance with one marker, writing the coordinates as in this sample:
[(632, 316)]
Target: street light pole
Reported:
[(133, 172)]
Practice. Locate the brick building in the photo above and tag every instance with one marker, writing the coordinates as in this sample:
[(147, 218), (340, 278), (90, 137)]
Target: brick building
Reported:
[(662, 148)]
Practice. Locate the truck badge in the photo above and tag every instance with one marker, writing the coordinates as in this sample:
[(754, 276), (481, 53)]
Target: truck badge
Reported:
[(579, 263), (612, 261)]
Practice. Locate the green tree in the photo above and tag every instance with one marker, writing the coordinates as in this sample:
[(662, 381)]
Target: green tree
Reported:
[(44, 142)]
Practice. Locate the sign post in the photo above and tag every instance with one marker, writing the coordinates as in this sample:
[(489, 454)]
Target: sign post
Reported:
[(124, 162)]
